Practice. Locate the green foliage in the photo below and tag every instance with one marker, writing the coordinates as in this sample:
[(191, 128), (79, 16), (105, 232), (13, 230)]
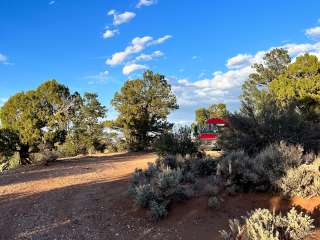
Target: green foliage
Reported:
[(144, 194), (86, 134), (37, 115), (9, 142), (158, 210), (143, 106), (14, 161), (204, 166), (45, 117), (262, 171), (252, 131), (214, 111), (261, 224), (303, 181), (217, 110), (300, 84), (178, 142), (168, 181), (255, 88), (280, 101), (202, 115)]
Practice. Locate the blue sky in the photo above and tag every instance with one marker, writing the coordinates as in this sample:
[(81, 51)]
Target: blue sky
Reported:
[(203, 47)]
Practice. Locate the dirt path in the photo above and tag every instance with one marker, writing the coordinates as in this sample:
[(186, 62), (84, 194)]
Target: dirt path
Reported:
[(71, 199), (86, 198)]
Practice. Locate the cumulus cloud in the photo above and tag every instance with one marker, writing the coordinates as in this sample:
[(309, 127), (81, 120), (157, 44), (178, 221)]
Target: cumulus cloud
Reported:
[(149, 57), (137, 45), (110, 33), (143, 3), (226, 86), (52, 2), (313, 32), (121, 18), (239, 61), (131, 67)]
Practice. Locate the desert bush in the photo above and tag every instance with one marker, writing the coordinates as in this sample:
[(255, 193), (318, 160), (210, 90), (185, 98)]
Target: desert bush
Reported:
[(14, 161), (204, 166), (158, 210), (168, 181), (144, 194), (303, 181), (178, 142), (262, 171), (168, 161), (261, 224), (252, 130), (234, 232), (213, 202)]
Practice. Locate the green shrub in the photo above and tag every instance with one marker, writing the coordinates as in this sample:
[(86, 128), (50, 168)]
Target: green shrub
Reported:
[(253, 130), (204, 166), (14, 161), (144, 194), (178, 142), (303, 181), (261, 224), (213, 202), (151, 171), (234, 232), (262, 171), (296, 225), (158, 210), (168, 161), (168, 180)]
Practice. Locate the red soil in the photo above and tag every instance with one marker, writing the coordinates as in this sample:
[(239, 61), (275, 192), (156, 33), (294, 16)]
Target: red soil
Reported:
[(86, 198)]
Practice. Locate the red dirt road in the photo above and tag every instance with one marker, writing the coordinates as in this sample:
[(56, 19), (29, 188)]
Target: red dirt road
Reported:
[(86, 198)]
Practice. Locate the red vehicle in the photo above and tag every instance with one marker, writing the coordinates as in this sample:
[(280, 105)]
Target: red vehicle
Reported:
[(210, 132)]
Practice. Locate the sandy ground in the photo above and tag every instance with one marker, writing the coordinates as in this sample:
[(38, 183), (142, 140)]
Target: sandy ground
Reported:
[(86, 198)]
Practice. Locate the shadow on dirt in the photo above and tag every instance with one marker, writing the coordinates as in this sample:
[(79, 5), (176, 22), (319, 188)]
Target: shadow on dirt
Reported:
[(65, 167)]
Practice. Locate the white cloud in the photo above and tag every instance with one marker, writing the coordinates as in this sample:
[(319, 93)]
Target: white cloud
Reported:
[(313, 32), (143, 3), (194, 57), (149, 57), (52, 2), (226, 86), (4, 59), (138, 44), (131, 67), (239, 61), (100, 78), (110, 33), (121, 18), (162, 39)]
